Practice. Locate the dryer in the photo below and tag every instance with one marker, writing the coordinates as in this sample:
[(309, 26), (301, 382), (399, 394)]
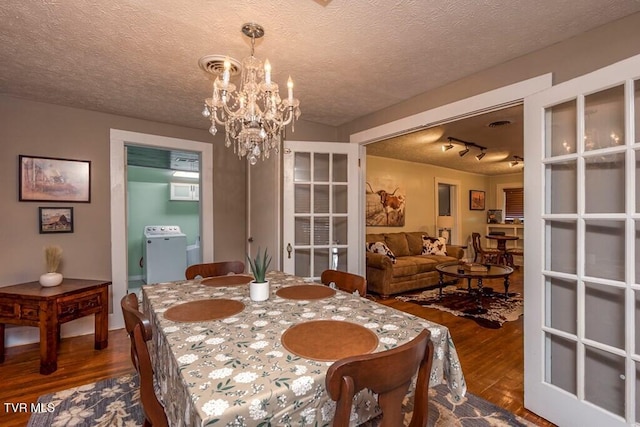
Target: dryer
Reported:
[(165, 253)]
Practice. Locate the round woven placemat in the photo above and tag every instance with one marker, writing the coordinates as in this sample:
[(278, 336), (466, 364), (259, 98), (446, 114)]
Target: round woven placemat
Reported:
[(230, 280), (328, 340), (302, 292), (203, 310)]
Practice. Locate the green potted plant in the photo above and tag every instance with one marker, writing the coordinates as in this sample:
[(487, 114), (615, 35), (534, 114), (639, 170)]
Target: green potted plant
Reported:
[(259, 287)]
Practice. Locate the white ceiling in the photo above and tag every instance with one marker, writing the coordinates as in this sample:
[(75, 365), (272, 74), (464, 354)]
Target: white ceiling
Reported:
[(348, 58)]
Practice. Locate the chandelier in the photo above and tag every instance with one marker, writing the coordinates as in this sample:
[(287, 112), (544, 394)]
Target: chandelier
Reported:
[(254, 117)]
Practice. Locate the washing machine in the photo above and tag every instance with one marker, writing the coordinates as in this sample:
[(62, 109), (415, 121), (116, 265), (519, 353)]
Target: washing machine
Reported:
[(165, 254)]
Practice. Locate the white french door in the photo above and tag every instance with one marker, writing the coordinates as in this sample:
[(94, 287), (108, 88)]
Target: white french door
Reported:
[(582, 277), (321, 214)]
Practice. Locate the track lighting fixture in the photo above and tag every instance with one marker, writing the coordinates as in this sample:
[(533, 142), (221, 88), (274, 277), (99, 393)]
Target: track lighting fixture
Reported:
[(516, 161), (467, 146)]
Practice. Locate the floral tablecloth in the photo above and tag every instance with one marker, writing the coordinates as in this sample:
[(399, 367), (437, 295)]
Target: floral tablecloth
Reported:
[(236, 372)]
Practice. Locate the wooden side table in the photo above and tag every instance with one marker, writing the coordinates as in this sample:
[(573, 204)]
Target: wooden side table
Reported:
[(30, 304)]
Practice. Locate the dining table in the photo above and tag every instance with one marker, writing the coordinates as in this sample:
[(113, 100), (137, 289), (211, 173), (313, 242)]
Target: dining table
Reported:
[(502, 240), (221, 359)]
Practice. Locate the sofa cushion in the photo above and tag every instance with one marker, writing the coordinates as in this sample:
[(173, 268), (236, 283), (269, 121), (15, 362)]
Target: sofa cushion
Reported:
[(372, 238), (405, 266), (397, 242), (381, 248), (434, 245), (414, 240), (424, 263)]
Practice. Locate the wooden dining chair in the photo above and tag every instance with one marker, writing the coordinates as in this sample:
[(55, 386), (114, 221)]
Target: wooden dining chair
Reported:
[(489, 255), (388, 374), (214, 269), (153, 410), (344, 281), (133, 316), (137, 322)]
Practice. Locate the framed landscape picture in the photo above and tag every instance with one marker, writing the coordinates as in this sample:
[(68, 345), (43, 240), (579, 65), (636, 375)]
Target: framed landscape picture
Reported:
[(56, 220), (47, 179), (476, 200)]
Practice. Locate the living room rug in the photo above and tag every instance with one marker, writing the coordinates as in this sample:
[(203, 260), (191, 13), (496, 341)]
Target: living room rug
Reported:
[(115, 402), (461, 302)]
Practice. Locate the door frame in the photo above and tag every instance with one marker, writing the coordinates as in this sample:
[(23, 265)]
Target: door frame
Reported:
[(118, 168)]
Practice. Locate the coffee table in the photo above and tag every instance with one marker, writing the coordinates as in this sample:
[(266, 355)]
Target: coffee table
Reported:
[(456, 270)]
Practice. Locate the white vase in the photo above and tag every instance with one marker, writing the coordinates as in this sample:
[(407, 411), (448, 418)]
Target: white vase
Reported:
[(50, 279), (259, 291)]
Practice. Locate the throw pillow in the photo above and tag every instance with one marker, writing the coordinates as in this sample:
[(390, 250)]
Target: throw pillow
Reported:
[(381, 248), (434, 245)]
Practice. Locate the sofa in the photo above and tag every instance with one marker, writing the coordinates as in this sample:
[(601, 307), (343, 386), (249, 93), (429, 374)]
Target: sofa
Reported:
[(411, 263)]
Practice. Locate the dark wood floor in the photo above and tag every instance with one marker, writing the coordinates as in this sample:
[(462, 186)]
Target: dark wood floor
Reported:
[(492, 362)]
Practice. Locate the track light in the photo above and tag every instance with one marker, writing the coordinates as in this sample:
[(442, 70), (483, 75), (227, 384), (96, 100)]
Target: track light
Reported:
[(516, 161), (467, 146)]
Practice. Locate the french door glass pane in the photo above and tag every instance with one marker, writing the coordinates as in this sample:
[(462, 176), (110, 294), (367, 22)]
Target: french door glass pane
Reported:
[(602, 174), (604, 249), (302, 231), (562, 187), (340, 163), (637, 388), (561, 246), (340, 198), (636, 102), (637, 245), (562, 308), (320, 261), (636, 293), (303, 262), (320, 198), (608, 326), (562, 363), (561, 133), (302, 167), (321, 230), (340, 229), (637, 164), (604, 119), (342, 259), (302, 198), (321, 167), (604, 386)]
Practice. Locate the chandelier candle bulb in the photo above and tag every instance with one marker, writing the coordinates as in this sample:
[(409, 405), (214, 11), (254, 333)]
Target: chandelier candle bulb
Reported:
[(267, 72), (226, 73), (290, 87)]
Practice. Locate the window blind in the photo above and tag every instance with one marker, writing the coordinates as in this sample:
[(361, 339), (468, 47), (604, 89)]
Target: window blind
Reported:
[(514, 203)]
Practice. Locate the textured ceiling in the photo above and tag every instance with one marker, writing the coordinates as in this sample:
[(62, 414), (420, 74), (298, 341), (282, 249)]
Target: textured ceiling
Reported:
[(502, 143), (348, 58)]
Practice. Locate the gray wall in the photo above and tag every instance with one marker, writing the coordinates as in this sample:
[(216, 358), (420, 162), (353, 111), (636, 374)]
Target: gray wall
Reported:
[(40, 129)]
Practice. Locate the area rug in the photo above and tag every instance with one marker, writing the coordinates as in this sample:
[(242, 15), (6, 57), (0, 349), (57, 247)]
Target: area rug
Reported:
[(459, 301), (111, 402), (115, 402)]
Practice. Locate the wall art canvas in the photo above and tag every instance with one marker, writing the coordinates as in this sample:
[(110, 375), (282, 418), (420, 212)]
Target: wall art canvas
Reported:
[(56, 220), (476, 200), (385, 204), (47, 179)]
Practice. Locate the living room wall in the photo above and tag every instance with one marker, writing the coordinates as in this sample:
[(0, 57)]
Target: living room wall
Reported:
[(417, 182)]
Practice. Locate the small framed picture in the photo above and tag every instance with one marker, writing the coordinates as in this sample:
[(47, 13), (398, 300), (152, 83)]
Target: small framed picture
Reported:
[(56, 220), (47, 179), (476, 200)]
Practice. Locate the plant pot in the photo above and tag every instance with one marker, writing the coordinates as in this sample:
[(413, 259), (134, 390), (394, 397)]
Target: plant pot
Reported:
[(259, 291), (50, 279)]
